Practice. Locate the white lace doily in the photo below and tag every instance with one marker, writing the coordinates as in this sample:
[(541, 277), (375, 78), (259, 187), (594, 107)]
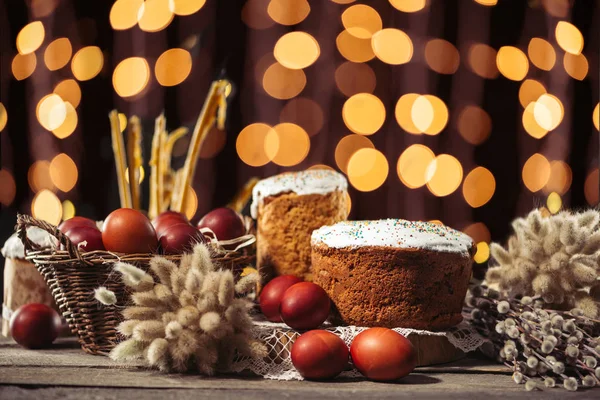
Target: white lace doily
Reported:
[(278, 365)]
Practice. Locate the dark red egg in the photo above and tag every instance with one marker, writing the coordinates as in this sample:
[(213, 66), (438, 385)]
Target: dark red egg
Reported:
[(167, 219), (304, 306), (76, 222), (319, 354), (381, 354), (92, 236), (224, 222), (271, 294), (180, 238), (35, 325), (129, 231)]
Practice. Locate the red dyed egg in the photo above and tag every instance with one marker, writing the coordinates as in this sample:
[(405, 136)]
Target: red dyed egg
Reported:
[(304, 306), (224, 222), (92, 236), (180, 238), (271, 294), (319, 354), (35, 325), (381, 354), (129, 231), (167, 219), (76, 222)]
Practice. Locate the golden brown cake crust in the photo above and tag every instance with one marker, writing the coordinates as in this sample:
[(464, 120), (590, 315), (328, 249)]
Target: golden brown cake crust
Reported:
[(285, 224), (393, 287)]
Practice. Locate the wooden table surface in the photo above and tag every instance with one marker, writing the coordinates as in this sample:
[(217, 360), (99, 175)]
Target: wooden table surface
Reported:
[(66, 372)]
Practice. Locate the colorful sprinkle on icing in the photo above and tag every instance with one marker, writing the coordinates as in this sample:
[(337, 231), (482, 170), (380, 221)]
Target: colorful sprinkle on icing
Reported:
[(312, 181), (393, 233)]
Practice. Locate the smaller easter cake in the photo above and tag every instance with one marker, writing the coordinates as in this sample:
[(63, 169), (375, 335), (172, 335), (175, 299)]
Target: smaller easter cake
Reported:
[(288, 207), (393, 273)]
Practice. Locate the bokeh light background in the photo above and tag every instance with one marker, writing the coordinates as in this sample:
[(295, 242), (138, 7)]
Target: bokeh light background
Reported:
[(466, 112)]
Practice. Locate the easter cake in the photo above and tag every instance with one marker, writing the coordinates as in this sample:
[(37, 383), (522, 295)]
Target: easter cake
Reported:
[(393, 272), (288, 207)]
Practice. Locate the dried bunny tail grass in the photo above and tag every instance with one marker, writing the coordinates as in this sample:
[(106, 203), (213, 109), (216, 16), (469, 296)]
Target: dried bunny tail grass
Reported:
[(188, 316), (173, 330), (147, 331), (500, 254), (237, 315), (201, 259), (177, 282), (141, 313), (207, 302), (146, 299), (226, 288), (208, 356), (163, 269), (126, 327), (193, 280), (185, 264), (249, 347), (182, 349), (186, 298), (129, 350), (247, 283), (105, 296), (589, 219), (210, 322), (158, 354), (587, 304), (133, 276)]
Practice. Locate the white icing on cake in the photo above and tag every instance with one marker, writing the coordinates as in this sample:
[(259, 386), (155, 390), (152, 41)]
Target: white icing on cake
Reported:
[(311, 181), (13, 247), (397, 233)]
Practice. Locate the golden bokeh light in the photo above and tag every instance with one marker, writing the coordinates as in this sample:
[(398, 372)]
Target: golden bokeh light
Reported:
[(58, 53), (343, 1), (346, 148), (47, 207), (392, 46), (321, 166), (487, 2), (363, 113), (30, 38), (213, 144), (9, 188), (131, 76), (591, 187), (568, 37), (352, 78), (361, 21), (68, 210), (187, 7), (560, 179), (38, 176), (290, 147), (304, 112), (69, 124), (512, 63), (530, 124), (141, 174), (554, 202), (541, 53), (173, 67), (439, 114), (254, 14), (576, 66), (354, 49), (474, 124), (87, 63), (409, 6), (422, 113), (296, 50), (479, 187), (51, 111), (412, 165), (530, 91), (191, 203), (444, 175), (42, 8), (536, 172), (482, 60), (122, 121), (596, 116), (441, 56), (155, 15), (478, 232), (250, 144), (367, 169), (557, 8), (63, 172), (124, 14), (483, 249), (23, 65), (436, 221), (69, 91), (283, 83), (548, 111), (288, 12), (3, 117), (403, 112)]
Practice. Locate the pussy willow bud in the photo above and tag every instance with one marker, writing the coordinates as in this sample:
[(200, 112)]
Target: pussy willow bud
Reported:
[(508, 322), (530, 385), (526, 300), (549, 382), (550, 359), (557, 321), (590, 362), (558, 368), (517, 377), (528, 315), (589, 381), (532, 362), (569, 326), (578, 312), (552, 339), (503, 307), (572, 351), (547, 347), (500, 327), (573, 340), (512, 332), (570, 384)]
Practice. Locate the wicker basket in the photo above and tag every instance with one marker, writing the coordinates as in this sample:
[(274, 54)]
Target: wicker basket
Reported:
[(72, 277)]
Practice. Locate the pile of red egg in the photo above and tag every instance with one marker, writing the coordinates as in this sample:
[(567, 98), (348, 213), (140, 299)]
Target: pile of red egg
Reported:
[(378, 353), (129, 231)]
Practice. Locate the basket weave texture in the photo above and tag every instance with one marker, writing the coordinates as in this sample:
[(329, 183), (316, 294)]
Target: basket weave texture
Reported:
[(72, 276)]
